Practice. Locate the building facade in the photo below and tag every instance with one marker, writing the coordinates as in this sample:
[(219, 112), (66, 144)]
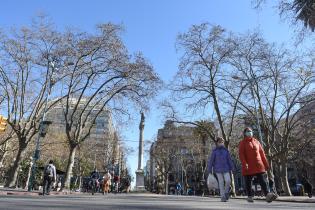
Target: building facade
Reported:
[(102, 141), (306, 162), (179, 155)]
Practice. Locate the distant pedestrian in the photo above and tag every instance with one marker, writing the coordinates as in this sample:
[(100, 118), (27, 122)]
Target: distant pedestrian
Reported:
[(106, 182), (221, 163), (128, 185), (49, 177), (116, 183), (254, 163), (178, 188), (308, 188), (187, 189), (94, 182)]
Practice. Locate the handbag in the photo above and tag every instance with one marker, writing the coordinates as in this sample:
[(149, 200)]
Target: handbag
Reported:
[(212, 182)]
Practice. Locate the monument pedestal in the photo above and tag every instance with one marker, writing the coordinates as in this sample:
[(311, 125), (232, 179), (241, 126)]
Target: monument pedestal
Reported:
[(140, 181)]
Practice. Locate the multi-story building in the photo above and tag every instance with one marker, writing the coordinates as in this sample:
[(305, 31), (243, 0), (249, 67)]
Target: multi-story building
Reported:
[(307, 132), (178, 155), (102, 140)]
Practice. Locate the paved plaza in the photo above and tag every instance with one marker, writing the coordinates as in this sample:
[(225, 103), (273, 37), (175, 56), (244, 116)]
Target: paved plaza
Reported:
[(137, 201)]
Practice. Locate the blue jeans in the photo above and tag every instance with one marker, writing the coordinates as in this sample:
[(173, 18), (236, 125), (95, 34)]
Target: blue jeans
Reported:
[(224, 183)]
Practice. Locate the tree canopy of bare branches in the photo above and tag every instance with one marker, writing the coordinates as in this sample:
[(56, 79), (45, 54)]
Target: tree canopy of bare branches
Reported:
[(84, 73), (243, 75), (102, 75), (24, 76)]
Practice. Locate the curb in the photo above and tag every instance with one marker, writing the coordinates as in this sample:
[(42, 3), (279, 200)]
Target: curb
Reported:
[(23, 193), (35, 193), (279, 199)]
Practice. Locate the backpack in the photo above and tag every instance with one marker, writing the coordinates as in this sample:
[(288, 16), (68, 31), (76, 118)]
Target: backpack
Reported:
[(49, 171)]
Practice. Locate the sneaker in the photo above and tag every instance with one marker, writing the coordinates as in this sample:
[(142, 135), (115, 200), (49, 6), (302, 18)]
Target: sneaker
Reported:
[(271, 197), (250, 199), (227, 196), (223, 199)]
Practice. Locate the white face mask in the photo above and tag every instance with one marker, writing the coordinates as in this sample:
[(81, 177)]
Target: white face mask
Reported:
[(249, 133)]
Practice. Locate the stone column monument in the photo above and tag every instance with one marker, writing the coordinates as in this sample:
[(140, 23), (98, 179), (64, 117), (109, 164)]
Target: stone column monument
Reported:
[(139, 172)]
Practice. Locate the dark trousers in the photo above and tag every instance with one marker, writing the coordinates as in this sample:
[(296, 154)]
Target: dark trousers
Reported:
[(47, 185), (261, 177)]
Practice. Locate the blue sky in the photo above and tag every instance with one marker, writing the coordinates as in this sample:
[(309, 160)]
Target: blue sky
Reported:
[(150, 27)]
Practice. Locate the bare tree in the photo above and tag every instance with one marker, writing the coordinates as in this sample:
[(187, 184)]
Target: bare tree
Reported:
[(102, 76), (244, 75), (202, 73), (275, 81), (24, 75), (163, 155)]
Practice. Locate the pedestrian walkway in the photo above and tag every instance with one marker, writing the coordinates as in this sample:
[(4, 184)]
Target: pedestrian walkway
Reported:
[(18, 191)]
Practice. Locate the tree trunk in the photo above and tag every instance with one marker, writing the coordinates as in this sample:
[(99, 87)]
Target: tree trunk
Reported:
[(271, 176), (14, 169), (232, 185), (80, 183), (284, 176), (5, 152), (270, 172), (28, 175), (66, 184)]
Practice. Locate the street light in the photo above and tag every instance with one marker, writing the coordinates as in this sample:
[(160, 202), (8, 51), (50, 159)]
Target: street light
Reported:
[(251, 86), (43, 124)]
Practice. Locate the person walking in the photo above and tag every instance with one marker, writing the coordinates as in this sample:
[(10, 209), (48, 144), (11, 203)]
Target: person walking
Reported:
[(116, 184), (221, 163), (128, 185), (49, 177), (94, 183), (106, 182), (178, 188), (254, 163)]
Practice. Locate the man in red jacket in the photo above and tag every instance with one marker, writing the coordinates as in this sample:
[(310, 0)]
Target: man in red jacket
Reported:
[(254, 163)]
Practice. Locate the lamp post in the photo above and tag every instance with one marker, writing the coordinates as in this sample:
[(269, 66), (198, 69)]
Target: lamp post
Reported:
[(251, 86), (41, 124), (29, 173)]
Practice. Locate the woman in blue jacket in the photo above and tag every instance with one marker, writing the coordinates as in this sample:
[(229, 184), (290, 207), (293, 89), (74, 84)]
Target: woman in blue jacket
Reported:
[(221, 163)]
